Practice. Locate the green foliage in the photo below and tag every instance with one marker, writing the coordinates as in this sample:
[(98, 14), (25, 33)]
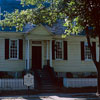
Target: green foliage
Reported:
[(34, 16), (72, 26), (80, 13)]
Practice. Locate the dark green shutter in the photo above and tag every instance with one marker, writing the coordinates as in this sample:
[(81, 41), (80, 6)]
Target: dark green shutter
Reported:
[(53, 49), (94, 49), (65, 50), (6, 48), (82, 50), (20, 49)]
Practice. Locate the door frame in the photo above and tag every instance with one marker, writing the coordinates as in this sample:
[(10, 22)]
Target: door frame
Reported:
[(42, 52)]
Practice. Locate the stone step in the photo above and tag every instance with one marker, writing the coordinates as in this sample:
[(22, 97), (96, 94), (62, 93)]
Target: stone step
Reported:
[(43, 87), (49, 91), (45, 78), (49, 88), (45, 75), (47, 83)]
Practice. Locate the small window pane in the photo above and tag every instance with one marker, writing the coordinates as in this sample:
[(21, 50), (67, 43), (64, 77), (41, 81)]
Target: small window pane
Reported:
[(58, 49), (13, 49), (87, 52)]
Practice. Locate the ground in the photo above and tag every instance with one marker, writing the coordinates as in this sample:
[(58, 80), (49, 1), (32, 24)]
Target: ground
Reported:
[(54, 96)]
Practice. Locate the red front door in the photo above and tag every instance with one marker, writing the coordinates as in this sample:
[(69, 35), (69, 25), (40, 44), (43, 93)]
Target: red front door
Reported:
[(36, 57)]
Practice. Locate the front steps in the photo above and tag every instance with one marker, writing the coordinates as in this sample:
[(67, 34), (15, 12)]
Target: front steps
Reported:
[(46, 82)]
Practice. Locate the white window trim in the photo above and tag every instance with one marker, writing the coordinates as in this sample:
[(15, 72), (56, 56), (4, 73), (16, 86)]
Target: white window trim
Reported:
[(17, 49), (86, 44), (62, 50)]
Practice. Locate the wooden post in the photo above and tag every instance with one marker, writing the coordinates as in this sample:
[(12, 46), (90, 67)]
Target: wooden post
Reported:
[(51, 53), (27, 55), (28, 59), (47, 49)]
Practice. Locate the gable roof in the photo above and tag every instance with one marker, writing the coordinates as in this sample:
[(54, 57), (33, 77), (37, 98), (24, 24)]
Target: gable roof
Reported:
[(40, 28), (55, 29), (39, 33)]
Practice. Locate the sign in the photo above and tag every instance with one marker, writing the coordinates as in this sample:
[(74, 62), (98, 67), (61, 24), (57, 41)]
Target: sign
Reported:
[(28, 79)]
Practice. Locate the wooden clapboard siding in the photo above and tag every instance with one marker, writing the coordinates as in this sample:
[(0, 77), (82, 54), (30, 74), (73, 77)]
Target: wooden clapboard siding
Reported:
[(74, 62), (10, 65)]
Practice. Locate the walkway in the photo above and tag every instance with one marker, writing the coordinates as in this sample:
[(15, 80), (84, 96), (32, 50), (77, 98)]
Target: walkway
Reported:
[(55, 96)]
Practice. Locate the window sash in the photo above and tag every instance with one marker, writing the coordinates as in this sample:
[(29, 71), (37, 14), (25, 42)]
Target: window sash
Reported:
[(87, 52), (13, 51), (59, 51)]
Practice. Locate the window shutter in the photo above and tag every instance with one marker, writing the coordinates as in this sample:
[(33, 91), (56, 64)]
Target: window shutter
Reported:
[(94, 48), (82, 50), (53, 49), (20, 49), (6, 48), (65, 50)]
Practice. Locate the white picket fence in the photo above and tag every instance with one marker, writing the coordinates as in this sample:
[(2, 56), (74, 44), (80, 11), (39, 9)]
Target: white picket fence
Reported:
[(79, 82), (12, 84)]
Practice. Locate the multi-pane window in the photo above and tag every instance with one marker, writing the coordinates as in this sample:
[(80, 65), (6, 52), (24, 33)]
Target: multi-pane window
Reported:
[(13, 49), (59, 49), (87, 52)]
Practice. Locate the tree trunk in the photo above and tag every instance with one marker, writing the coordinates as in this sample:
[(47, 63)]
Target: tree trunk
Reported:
[(98, 72), (98, 79), (97, 64)]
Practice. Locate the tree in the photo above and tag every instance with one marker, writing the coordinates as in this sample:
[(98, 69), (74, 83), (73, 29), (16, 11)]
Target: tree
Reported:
[(86, 13), (40, 14), (79, 15)]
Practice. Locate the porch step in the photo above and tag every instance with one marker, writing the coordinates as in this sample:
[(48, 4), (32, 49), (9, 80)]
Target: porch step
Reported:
[(47, 83)]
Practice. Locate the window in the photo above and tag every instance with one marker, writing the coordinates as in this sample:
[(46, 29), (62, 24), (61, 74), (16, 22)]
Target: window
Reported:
[(59, 49), (87, 52), (13, 49)]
